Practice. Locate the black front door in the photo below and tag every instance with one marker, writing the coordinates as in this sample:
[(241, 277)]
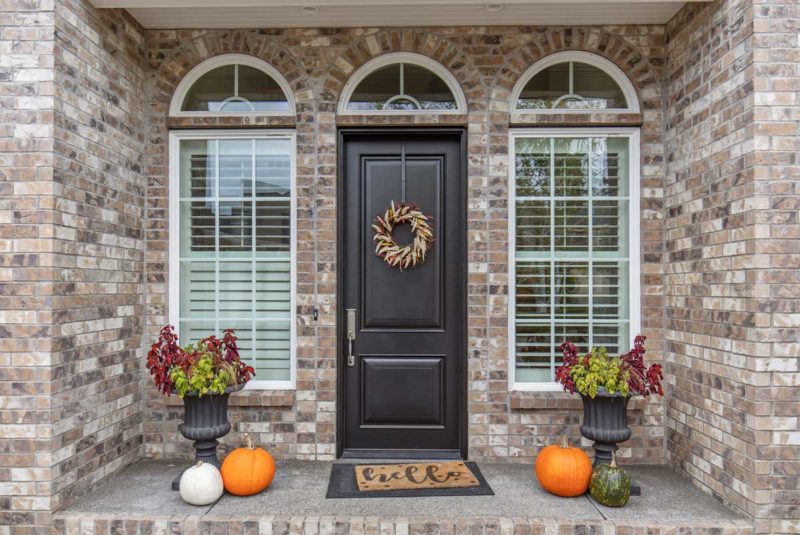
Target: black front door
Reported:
[(402, 392)]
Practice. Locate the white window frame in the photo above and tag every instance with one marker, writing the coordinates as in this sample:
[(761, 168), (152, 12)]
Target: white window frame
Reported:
[(634, 215), (220, 61), (621, 79), (175, 137), (409, 58)]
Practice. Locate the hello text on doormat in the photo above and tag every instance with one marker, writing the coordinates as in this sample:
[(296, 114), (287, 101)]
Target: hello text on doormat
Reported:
[(430, 475)]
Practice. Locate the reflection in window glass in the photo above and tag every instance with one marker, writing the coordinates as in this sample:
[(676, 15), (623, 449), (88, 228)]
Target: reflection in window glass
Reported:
[(571, 85), (402, 87), (235, 88), (571, 249)]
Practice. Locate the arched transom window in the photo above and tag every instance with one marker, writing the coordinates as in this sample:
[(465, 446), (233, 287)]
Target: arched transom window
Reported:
[(402, 83), (574, 81), (232, 84)]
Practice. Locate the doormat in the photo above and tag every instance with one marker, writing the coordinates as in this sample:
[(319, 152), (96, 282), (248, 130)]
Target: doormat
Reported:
[(451, 478)]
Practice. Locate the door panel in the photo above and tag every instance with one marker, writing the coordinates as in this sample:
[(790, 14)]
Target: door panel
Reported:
[(404, 394)]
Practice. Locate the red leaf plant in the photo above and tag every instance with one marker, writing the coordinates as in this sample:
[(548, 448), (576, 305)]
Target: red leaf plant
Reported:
[(167, 360), (641, 380)]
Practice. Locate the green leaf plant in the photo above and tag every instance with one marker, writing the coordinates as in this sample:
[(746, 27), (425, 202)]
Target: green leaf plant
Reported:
[(209, 366), (600, 371)]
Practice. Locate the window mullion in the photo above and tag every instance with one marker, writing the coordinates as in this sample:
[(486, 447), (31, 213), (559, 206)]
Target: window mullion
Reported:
[(253, 234), (552, 256), (218, 182), (590, 224)]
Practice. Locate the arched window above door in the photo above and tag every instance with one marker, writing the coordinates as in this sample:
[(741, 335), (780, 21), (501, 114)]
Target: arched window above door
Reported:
[(574, 82), (402, 83), (232, 84)]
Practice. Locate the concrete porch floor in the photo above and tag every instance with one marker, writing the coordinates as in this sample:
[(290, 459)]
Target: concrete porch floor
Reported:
[(141, 493)]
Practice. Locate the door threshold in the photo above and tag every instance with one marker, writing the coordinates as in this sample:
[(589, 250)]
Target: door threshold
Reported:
[(400, 455)]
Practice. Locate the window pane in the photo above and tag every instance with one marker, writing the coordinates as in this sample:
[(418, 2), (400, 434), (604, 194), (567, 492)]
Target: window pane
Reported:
[(571, 247), (198, 295), (235, 168), (572, 86), (232, 276), (260, 91), (375, 89), (609, 164), (198, 231), (402, 87), (571, 230), (272, 349), (610, 227), (273, 168), (235, 226), (198, 168), (533, 301), (218, 91), (598, 89), (534, 353), (430, 91), (571, 169), (533, 167), (533, 226), (210, 91), (273, 219), (545, 88), (571, 290), (235, 290), (273, 281), (610, 291)]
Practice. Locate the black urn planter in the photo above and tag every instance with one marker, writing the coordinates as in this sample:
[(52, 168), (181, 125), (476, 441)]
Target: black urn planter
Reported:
[(205, 419), (605, 421)]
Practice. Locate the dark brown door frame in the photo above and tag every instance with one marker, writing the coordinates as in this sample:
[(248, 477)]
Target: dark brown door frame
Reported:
[(343, 135)]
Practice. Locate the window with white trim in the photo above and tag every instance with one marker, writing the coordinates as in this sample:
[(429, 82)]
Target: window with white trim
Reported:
[(401, 83), (232, 85), (574, 247), (574, 82), (232, 245)]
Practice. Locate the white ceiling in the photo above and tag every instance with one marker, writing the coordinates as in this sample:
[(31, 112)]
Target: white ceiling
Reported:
[(163, 14)]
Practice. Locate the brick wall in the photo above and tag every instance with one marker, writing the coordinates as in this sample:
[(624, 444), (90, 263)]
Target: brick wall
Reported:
[(71, 252), (776, 205), (732, 239), (99, 187), (487, 63), (26, 260)]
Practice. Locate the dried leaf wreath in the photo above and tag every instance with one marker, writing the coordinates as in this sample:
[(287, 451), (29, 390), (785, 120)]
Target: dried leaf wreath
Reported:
[(407, 256)]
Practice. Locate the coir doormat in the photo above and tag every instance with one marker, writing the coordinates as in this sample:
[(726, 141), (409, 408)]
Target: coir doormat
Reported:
[(451, 478)]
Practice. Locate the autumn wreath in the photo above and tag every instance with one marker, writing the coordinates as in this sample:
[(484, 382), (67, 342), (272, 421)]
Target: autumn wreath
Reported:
[(405, 256)]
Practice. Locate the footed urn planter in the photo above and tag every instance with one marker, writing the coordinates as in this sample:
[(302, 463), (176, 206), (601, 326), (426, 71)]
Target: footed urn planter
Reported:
[(605, 421), (205, 419)]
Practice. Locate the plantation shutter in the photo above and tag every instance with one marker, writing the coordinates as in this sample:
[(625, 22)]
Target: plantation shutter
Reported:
[(571, 250), (236, 247)]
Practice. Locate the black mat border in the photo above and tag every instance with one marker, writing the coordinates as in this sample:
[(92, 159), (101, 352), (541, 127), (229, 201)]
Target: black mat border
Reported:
[(342, 484)]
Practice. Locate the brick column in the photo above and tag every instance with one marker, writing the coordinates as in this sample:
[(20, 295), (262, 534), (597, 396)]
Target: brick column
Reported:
[(27, 206)]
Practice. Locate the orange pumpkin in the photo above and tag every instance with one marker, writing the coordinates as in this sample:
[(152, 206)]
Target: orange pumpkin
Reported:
[(564, 471), (247, 471)]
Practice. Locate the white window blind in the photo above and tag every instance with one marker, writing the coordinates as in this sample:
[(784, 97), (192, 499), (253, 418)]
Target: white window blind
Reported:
[(235, 247), (572, 249)]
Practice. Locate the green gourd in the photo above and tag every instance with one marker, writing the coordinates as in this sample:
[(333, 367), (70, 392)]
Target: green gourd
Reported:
[(610, 484)]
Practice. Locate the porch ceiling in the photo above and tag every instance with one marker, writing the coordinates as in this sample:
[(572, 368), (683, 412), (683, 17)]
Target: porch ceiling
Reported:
[(163, 14)]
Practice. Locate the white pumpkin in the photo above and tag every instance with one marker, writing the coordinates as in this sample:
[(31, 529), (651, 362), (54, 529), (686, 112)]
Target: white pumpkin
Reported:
[(201, 484)]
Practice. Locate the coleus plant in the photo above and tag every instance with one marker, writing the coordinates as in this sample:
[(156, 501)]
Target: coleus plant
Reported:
[(208, 366), (625, 374)]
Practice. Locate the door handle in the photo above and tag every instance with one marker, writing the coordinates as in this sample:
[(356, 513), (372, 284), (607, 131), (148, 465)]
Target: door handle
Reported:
[(351, 335)]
